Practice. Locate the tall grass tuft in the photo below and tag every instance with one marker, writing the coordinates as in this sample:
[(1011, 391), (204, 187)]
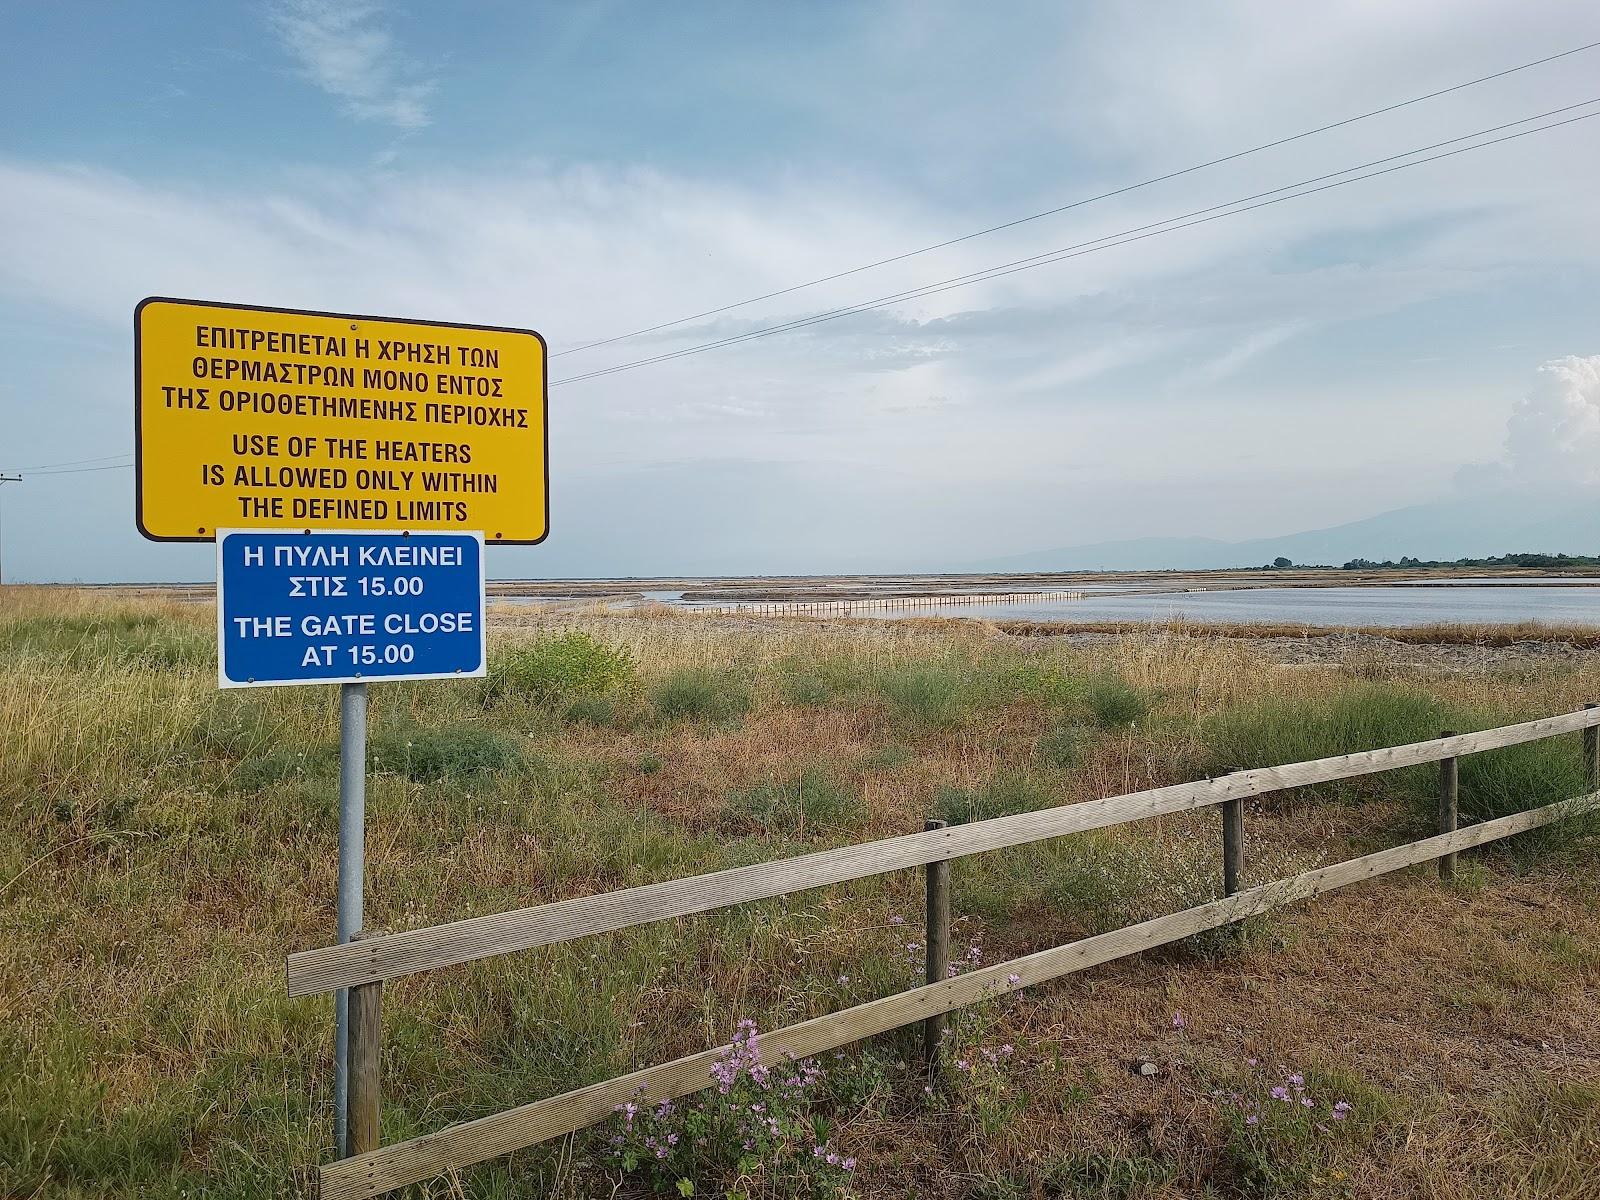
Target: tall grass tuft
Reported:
[(1114, 703), (932, 695), (702, 694), (1367, 716), (812, 800), (1004, 796), (429, 753)]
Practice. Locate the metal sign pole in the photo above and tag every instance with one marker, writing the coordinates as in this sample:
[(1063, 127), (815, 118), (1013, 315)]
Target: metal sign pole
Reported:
[(352, 871)]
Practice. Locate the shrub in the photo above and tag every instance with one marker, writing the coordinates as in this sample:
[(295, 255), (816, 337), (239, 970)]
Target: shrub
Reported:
[(557, 667), (1364, 717), (1002, 796), (427, 754), (1062, 746), (1114, 703), (811, 799), (592, 710), (701, 694), (933, 695)]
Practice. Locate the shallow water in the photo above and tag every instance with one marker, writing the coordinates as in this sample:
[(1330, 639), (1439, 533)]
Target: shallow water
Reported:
[(1495, 604)]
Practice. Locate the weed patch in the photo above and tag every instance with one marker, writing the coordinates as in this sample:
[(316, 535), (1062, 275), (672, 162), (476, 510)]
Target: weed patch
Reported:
[(1003, 796), (1114, 703), (1062, 746), (429, 753), (809, 801), (701, 694), (557, 668)]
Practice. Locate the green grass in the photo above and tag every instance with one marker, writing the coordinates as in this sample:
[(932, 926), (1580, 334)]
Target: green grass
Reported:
[(120, 639), (1501, 782), (1003, 796), (164, 845), (702, 694), (931, 695), (809, 801), (558, 668), (429, 753), (1063, 745), (1114, 703), (1365, 716)]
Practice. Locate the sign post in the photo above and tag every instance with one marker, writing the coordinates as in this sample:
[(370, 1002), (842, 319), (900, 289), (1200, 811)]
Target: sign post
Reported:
[(352, 882), (350, 470), (348, 607)]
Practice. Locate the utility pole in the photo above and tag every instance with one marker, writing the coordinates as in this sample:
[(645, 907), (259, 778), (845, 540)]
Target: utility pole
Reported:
[(6, 479)]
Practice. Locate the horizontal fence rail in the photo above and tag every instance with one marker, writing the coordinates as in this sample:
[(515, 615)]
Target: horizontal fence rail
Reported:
[(389, 956), (462, 1145)]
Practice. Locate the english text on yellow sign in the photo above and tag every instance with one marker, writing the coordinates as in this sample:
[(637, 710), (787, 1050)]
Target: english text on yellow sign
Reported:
[(272, 418)]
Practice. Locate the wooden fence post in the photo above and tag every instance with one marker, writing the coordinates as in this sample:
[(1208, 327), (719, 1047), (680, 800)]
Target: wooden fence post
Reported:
[(366, 1039), (1232, 845), (1591, 754), (938, 955), (1449, 792)]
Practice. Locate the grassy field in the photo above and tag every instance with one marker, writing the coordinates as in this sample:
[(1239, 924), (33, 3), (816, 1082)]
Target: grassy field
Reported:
[(163, 845)]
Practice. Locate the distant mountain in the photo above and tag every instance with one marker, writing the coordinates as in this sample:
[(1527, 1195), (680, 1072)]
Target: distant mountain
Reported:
[(1472, 527)]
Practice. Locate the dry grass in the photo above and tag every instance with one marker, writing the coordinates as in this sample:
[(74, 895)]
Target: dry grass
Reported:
[(1493, 636), (162, 845)]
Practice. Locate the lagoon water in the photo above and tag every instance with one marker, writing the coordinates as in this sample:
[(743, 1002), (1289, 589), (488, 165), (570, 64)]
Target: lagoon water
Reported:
[(1490, 604)]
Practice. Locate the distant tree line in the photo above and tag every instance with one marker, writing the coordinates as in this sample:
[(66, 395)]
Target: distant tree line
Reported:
[(1548, 562)]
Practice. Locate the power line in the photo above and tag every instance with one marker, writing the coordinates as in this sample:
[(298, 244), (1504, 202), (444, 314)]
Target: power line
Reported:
[(1050, 212), (128, 466), (77, 462), (1137, 233)]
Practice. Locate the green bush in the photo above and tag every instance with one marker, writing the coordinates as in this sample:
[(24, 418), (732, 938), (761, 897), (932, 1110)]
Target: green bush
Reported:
[(1300, 729), (559, 667), (1002, 796), (1045, 684), (810, 800), (446, 751), (592, 710), (701, 694), (929, 694), (1062, 746), (1113, 702)]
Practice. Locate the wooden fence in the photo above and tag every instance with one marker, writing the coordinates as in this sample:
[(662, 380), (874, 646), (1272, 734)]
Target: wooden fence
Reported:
[(845, 608), (364, 965)]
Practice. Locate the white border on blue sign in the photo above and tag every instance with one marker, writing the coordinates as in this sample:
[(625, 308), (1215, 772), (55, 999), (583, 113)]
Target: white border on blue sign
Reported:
[(483, 611)]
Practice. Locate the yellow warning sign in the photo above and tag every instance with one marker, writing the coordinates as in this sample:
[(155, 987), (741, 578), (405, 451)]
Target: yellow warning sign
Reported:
[(274, 418)]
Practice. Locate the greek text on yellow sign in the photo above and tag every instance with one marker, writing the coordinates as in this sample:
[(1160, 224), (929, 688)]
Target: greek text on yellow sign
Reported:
[(270, 418)]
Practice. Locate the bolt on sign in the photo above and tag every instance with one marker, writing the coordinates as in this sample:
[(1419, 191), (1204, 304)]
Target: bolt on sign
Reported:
[(275, 418)]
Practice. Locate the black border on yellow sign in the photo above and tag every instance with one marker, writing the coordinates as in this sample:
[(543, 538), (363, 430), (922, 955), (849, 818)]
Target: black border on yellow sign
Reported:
[(138, 408)]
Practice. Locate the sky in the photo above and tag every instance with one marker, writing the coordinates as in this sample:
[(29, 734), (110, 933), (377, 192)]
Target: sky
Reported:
[(589, 170)]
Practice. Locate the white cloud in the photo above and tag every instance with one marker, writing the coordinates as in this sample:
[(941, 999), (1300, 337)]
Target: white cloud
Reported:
[(344, 48), (1553, 433)]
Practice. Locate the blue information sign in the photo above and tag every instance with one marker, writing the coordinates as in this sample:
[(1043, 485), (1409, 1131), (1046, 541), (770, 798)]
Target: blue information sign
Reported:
[(348, 607)]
